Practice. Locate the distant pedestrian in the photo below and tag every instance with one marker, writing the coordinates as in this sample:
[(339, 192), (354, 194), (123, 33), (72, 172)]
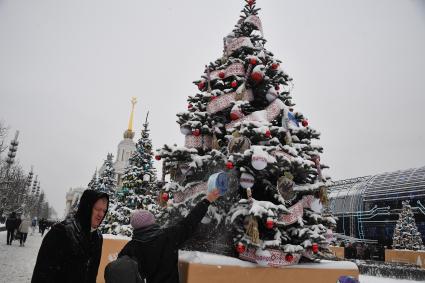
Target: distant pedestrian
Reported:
[(23, 230), (42, 226), (71, 250), (11, 225), (33, 225)]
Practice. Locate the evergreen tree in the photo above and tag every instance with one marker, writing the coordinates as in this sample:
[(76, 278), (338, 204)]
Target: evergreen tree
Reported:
[(243, 121), (406, 234), (94, 182), (139, 188), (107, 181)]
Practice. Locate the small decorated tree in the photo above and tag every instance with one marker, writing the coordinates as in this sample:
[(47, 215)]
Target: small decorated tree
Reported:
[(243, 121), (139, 188), (107, 180), (94, 182), (406, 234)]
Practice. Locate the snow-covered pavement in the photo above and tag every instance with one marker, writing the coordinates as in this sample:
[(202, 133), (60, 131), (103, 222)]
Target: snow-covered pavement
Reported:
[(373, 279), (17, 263)]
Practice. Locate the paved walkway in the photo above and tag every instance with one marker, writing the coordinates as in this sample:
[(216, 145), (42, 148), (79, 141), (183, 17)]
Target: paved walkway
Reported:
[(17, 263)]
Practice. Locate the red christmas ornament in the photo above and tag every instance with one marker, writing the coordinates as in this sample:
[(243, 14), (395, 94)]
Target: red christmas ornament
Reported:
[(269, 223), (201, 85), (196, 132), (257, 76), (240, 248), (289, 257), (234, 84), (250, 2), (158, 157), (315, 248), (229, 165), (304, 123), (275, 66), (276, 87), (189, 106), (221, 75), (213, 97), (268, 134), (253, 61), (234, 116), (164, 197)]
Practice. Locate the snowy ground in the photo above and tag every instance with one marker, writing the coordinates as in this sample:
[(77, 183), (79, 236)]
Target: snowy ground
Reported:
[(373, 279), (17, 263)]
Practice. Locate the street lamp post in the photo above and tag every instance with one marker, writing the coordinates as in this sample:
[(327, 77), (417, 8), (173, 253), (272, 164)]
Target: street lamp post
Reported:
[(9, 161)]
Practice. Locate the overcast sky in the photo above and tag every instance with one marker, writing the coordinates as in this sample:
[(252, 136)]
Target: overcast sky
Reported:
[(69, 68)]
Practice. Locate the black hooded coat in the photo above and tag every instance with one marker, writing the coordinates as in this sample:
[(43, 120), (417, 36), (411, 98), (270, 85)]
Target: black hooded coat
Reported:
[(156, 248), (70, 251)]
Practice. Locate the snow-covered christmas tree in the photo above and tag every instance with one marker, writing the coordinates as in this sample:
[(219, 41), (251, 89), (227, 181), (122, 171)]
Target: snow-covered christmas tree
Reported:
[(139, 188), (406, 234), (107, 181), (243, 121), (94, 182)]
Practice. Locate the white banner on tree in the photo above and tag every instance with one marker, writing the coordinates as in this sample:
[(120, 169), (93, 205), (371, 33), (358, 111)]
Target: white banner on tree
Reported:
[(224, 101), (269, 257), (238, 43)]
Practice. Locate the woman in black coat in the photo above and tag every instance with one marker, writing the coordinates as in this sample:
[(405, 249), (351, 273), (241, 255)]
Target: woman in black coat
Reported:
[(71, 250), (156, 248)]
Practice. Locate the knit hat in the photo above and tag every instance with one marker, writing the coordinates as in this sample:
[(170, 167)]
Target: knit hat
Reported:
[(141, 218)]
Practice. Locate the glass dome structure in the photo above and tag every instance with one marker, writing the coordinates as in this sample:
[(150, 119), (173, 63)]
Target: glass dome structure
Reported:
[(368, 207)]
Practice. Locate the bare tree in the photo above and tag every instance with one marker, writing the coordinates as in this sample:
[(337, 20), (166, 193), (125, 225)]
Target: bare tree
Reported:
[(3, 134)]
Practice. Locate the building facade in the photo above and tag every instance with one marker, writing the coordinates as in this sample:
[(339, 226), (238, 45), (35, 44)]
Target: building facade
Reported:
[(368, 207), (125, 149)]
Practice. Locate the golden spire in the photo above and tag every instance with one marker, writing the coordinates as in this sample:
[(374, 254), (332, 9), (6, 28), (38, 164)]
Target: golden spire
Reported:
[(129, 134)]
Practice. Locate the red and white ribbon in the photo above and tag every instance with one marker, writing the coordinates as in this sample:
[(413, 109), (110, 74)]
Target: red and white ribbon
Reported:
[(236, 69), (224, 101), (271, 112), (255, 21), (238, 43), (297, 210), (181, 196), (269, 257), (199, 142)]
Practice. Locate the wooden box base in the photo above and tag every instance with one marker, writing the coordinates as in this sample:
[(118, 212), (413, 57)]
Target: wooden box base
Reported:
[(406, 256), (327, 272)]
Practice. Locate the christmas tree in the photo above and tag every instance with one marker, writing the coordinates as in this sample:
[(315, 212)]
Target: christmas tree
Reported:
[(243, 121), (139, 188), (107, 180), (94, 182), (406, 234)]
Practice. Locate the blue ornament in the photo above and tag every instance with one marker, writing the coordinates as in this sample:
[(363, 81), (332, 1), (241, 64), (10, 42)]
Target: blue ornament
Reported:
[(220, 181)]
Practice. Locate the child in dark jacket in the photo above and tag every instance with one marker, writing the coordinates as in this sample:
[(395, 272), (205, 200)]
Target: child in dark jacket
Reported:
[(156, 248)]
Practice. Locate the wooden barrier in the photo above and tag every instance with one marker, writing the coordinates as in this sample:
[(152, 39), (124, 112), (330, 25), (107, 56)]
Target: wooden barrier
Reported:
[(337, 251), (211, 273), (302, 273), (110, 249), (406, 256)]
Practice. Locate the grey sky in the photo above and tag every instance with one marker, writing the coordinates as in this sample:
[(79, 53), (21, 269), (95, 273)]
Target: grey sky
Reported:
[(69, 68)]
